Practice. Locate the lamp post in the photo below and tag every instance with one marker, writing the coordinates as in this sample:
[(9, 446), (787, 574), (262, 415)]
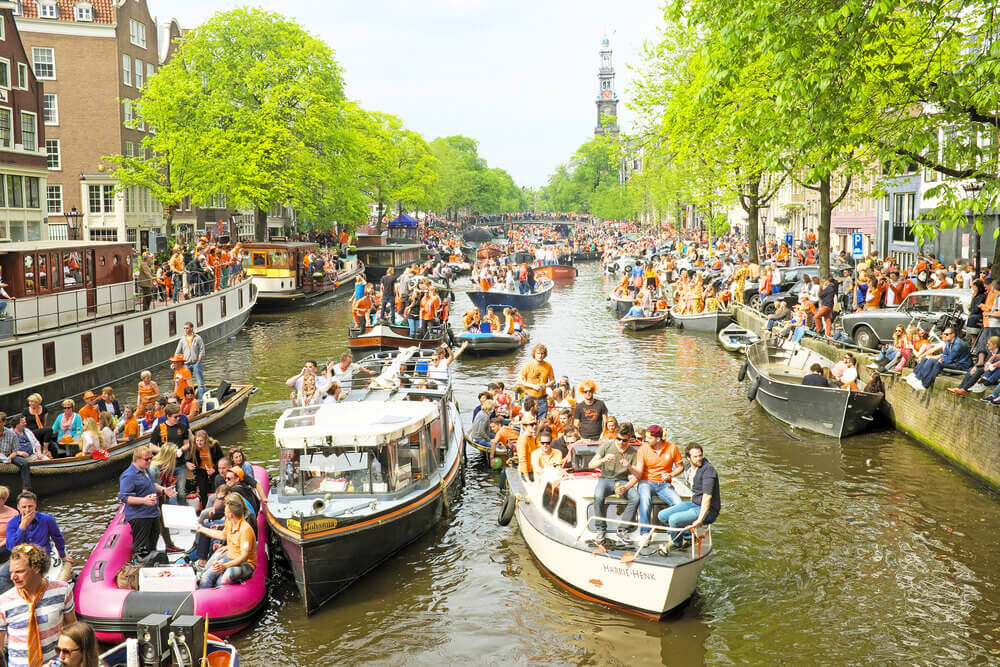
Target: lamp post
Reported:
[(763, 219), (973, 189), (73, 221)]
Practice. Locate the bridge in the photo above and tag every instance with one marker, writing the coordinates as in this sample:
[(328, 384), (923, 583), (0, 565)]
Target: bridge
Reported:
[(526, 219)]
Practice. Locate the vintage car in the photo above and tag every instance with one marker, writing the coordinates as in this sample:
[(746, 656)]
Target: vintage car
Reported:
[(870, 328), (790, 276)]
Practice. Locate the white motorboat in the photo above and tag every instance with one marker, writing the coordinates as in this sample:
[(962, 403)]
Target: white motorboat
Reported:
[(735, 338)]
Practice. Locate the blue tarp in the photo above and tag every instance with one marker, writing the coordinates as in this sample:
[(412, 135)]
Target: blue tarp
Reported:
[(402, 221)]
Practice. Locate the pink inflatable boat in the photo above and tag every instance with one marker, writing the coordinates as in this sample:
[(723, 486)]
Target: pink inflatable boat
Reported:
[(113, 612)]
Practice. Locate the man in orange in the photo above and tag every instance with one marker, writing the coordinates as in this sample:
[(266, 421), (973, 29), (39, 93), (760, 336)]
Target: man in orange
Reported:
[(656, 463), (90, 407), (430, 304), (536, 376), (182, 376), (503, 435), (526, 446), (361, 308), (178, 278)]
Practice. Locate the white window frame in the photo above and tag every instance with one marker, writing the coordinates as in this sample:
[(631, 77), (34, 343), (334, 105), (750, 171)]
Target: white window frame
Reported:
[(129, 149), (45, 6), (79, 9), (140, 79), (55, 108), (137, 33), (5, 66), (58, 155), (49, 191), (150, 71), (127, 114), (18, 9), (34, 122), (10, 115), (22, 74), (126, 69), (37, 51), (3, 29)]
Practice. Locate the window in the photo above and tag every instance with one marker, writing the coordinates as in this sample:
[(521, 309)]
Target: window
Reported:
[(32, 183), (126, 69), (4, 73), (47, 9), (222, 306), (101, 198), (86, 348), (172, 323), (99, 234), (239, 294), (127, 105), (5, 128), (22, 75), (550, 496), (56, 270), (50, 109), (83, 11), (147, 330), (129, 149), (132, 235), (199, 315), (567, 510), (150, 71), (15, 366), (109, 198), (29, 131), (52, 149), (49, 358), (43, 272), (119, 339), (137, 33), (43, 59), (15, 192), (902, 217), (139, 80)]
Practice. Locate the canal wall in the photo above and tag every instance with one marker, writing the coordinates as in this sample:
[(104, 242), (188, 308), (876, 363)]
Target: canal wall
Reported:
[(965, 430)]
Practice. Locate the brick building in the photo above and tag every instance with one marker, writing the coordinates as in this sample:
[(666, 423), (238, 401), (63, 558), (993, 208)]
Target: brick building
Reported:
[(23, 172)]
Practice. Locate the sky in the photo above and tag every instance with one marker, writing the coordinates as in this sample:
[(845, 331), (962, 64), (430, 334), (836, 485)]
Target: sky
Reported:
[(518, 76)]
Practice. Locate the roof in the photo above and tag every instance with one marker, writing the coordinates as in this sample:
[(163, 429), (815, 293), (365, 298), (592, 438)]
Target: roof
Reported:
[(352, 424), (29, 246), (104, 10)]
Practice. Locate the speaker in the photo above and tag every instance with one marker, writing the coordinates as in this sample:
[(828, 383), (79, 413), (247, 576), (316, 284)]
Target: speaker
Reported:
[(223, 238), (192, 629), (153, 631)]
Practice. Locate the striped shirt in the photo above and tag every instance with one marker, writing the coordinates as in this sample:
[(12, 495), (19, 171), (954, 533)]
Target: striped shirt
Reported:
[(56, 603)]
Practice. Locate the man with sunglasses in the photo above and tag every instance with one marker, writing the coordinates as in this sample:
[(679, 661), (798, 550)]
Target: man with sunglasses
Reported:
[(615, 459), (31, 527), (590, 414), (138, 491)]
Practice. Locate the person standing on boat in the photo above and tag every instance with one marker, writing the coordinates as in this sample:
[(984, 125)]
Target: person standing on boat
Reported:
[(615, 459), (192, 348), (536, 377), (387, 308), (146, 280), (591, 414), (31, 527), (657, 462), (138, 491), (172, 429), (705, 503)]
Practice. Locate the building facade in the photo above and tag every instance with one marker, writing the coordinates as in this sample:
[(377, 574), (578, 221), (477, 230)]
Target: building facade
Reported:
[(607, 99), (23, 172)]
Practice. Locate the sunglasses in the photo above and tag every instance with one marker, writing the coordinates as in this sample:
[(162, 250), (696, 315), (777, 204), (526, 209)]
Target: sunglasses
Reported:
[(66, 651), (147, 458), (545, 442)]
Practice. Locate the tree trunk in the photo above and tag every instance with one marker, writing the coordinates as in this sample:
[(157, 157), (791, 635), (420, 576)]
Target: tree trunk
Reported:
[(753, 220), (260, 225), (823, 233)]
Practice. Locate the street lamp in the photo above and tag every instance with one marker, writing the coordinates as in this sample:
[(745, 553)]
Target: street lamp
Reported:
[(763, 219), (73, 221), (973, 189)]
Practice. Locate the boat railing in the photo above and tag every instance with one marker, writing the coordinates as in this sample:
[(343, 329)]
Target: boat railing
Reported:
[(698, 535)]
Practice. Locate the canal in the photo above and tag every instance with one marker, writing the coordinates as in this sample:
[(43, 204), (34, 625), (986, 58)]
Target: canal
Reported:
[(866, 550)]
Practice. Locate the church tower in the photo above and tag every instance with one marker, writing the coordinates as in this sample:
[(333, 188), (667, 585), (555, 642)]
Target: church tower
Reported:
[(607, 101)]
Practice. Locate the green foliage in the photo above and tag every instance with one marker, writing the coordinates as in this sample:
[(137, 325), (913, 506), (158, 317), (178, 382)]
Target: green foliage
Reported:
[(467, 183)]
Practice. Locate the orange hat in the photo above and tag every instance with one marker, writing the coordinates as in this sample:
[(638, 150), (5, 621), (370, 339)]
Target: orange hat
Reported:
[(177, 358), (89, 394), (527, 418), (239, 472)]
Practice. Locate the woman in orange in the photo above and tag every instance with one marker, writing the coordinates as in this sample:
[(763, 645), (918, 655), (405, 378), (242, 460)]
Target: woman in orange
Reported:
[(148, 390), (610, 429), (361, 308)]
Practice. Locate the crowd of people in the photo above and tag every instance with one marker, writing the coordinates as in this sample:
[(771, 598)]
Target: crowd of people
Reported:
[(417, 298), (188, 272)]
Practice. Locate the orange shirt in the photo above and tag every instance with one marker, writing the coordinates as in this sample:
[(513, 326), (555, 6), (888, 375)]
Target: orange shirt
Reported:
[(657, 465), (147, 394), (131, 429), (240, 540), (89, 411), (429, 306), (176, 262), (526, 445), (537, 373), (182, 377), (505, 435)]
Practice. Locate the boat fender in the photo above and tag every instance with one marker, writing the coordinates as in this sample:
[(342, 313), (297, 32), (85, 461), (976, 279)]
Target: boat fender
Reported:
[(752, 388), (506, 510), (742, 375)]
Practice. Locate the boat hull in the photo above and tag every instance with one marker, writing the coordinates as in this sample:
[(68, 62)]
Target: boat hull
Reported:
[(381, 337), (712, 322), (282, 300), (493, 299), (644, 323), (559, 272), (735, 338), (619, 305), (484, 342)]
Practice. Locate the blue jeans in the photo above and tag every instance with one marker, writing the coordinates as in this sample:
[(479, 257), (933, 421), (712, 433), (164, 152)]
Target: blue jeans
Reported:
[(606, 487), (198, 375), (522, 286), (800, 332), (665, 492), (3, 308), (231, 575), (886, 354), (414, 325), (683, 514), (181, 472), (543, 407)]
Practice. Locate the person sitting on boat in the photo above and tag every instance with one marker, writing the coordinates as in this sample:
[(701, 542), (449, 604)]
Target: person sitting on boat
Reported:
[(307, 385), (89, 408), (90, 439), (146, 418), (482, 397), (107, 402), (815, 377), (849, 377), (636, 310), (657, 462), (492, 320), (67, 428), (236, 561), (711, 302), (190, 406), (616, 458), (17, 447), (76, 646), (128, 426), (31, 527), (480, 432), (107, 426), (437, 368), (470, 320), (38, 418), (148, 390), (705, 504), (545, 458)]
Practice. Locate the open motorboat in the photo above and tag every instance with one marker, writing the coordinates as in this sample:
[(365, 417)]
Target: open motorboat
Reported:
[(655, 321), (774, 378), (735, 338), (363, 478), (556, 523), (620, 303), (483, 342), (499, 298), (712, 321)]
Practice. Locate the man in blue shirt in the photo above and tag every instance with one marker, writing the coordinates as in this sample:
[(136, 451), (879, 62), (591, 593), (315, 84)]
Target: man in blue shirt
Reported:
[(31, 527), (705, 503), (954, 355), (138, 491)]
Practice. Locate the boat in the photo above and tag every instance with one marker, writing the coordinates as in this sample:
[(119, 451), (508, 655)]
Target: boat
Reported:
[(557, 272), (113, 612), (553, 515), (735, 338), (217, 653), (712, 321), (500, 451), (586, 256), (480, 342), (284, 281), (378, 254), (384, 337), (620, 304), (656, 321), (363, 478), (498, 298), (74, 323), (774, 380), (224, 407)]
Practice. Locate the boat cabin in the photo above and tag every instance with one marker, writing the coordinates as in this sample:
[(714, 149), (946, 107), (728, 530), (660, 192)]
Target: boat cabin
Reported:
[(57, 283)]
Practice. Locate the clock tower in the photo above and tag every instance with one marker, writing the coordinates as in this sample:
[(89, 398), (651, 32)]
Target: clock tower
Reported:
[(607, 101)]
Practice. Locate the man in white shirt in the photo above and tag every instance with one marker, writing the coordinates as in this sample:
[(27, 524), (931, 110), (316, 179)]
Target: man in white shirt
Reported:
[(343, 373)]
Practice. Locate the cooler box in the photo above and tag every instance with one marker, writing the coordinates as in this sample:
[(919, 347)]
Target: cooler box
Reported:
[(175, 579)]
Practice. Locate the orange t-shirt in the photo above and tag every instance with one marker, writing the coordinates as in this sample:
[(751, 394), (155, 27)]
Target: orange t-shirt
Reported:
[(181, 380), (239, 540), (656, 466), (131, 429), (147, 394), (429, 306), (536, 373), (526, 445), (89, 411), (505, 435)]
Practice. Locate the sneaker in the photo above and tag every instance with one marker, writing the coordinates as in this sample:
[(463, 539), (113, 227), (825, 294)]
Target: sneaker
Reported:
[(600, 538), (978, 388), (624, 539), (666, 548), (956, 390), (173, 549)]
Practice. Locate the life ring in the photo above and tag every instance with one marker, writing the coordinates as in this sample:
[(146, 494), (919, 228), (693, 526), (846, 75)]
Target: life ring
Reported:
[(742, 375), (506, 509), (752, 388)]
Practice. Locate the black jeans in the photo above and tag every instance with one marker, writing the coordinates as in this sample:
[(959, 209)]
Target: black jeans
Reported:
[(202, 481), (24, 467), (144, 534)]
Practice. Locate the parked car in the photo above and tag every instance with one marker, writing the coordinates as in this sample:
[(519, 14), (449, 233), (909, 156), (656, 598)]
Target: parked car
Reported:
[(871, 328), (791, 297), (620, 264), (790, 276)]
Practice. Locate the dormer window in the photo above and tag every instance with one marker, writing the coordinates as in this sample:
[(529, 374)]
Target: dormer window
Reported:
[(48, 9), (83, 11), (18, 8)]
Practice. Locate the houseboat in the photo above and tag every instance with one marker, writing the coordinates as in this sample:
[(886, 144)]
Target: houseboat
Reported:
[(285, 279), (378, 252), (75, 321)]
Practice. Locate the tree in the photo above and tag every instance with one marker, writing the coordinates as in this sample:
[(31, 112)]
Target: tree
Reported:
[(468, 183)]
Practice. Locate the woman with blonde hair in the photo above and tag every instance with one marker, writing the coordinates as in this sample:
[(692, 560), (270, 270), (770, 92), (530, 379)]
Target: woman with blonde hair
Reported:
[(37, 417), (610, 429), (90, 439), (148, 390), (107, 423)]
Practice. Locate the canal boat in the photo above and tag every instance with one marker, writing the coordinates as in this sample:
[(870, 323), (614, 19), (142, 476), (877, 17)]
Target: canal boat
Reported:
[(554, 516), (365, 477), (774, 380), (499, 298), (222, 411), (75, 322), (656, 321), (712, 321), (486, 342), (378, 254), (561, 272), (283, 279), (619, 303), (383, 336), (735, 338), (113, 612)]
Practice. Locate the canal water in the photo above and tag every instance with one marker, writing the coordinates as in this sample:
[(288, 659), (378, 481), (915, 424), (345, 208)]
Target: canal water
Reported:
[(868, 550)]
